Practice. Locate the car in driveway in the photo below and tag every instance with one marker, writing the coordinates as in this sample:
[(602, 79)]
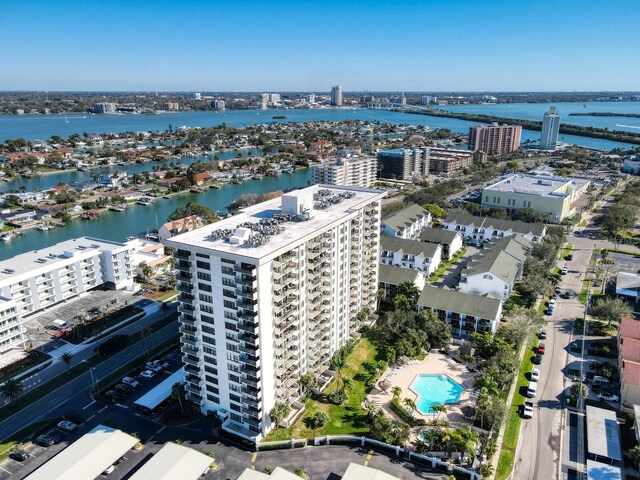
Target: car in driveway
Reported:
[(537, 360), (527, 410), (110, 469), (66, 426), (154, 367), (534, 376), (552, 303), (19, 455), (569, 257), (147, 375), (124, 388)]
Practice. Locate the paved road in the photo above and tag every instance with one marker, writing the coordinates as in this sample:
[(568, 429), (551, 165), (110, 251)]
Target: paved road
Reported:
[(78, 389)]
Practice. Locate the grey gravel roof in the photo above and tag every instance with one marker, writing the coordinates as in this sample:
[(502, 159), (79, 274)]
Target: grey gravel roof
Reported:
[(410, 247), (396, 275), (535, 229), (438, 235), (460, 302), (405, 217)]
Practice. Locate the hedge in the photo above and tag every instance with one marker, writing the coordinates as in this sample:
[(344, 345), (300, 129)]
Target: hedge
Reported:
[(404, 415)]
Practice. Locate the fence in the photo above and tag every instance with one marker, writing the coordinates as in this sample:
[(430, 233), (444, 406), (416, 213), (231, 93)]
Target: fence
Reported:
[(434, 463)]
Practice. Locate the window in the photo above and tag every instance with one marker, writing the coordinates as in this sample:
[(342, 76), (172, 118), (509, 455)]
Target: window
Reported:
[(204, 287), (228, 271), (235, 398), (209, 340), (210, 351), (230, 315), (207, 309), (213, 398), (233, 358), (210, 330), (202, 255), (229, 304), (204, 276), (206, 298), (228, 260), (207, 319), (234, 378), (232, 348), (228, 293), (236, 418), (210, 360), (235, 407), (203, 265), (213, 389), (230, 326), (228, 282)]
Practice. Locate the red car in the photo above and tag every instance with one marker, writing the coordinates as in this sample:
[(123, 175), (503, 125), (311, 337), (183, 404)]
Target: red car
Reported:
[(62, 332), (541, 349)]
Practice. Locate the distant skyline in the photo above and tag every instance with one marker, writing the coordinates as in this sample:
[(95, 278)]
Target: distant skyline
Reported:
[(445, 45)]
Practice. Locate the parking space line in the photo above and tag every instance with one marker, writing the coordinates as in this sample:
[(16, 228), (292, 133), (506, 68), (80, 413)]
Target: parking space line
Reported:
[(253, 457), (91, 417), (4, 470), (121, 406), (103, 409), (161, 429), (366, 462), (88, 405)]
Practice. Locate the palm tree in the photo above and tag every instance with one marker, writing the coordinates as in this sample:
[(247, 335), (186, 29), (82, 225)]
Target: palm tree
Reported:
[(382, 295), (487, 384), (11, 390), (66, 357), (409, 290), (279, 412), (410, 404), (437, 409), (338, 363), (396, 391), (485, 470), (176, 393), (308, 381)]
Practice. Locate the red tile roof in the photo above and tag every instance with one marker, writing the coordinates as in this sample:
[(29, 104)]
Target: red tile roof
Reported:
[(630, 328), (631, 373), (630, 349)]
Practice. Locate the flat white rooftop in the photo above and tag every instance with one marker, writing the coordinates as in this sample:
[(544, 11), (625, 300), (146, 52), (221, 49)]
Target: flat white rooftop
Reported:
[(293, 232), (160, 392), (174, 462), (87, 457), (58, 253), (541, 185), (603, 433)]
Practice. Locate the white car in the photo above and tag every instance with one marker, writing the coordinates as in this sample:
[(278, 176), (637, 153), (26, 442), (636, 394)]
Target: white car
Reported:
[(527, 411), (564, 271), (67, 426), (608, 397), (147, 374), (154, 366), (552, 303), (131, 382), (110, 469), (535, 375)]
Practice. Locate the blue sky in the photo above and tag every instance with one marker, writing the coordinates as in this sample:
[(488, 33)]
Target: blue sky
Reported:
[(299, 45)]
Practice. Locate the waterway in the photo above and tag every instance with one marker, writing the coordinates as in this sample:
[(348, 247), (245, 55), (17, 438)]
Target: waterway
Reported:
[(139, 219), (535, 111), (52, 179), (33, 127)]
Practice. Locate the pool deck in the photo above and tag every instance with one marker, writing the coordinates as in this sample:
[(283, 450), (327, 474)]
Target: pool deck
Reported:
[(433, 364)]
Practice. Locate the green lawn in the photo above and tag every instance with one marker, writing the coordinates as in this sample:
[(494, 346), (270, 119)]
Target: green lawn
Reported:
[(14, 442), (6, 228), (168, 295), (444, 267), (347, 419), (567, 250), (584, 293), (512, 430)]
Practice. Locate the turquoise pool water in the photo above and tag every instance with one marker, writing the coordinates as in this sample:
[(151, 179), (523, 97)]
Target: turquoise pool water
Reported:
[(435, 390)]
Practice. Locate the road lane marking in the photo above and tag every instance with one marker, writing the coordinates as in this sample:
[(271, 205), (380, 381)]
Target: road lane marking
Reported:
[(121, 406), (91, 417), (161, 429), (366, 462), (4, 470), (88, 405), (103, 409), (253, 457)]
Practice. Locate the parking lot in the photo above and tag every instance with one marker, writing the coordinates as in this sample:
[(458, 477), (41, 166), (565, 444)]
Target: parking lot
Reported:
[(626, 263)]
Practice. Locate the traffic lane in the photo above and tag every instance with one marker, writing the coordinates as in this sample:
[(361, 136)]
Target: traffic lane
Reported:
[(79, 387)]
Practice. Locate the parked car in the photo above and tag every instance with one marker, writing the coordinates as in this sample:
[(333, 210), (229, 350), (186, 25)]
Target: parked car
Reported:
[(543, 334), (532, 389), (45, 440), (541, 349), (558, 289), (566, 294), (610, 397), (63, 332), (114, 395), (564, 271), (19, 455), (131, 382), (569, 257), (537, 360), (164, 364), (67, 426), (147, 374), (549, 311), (110, 469), (534, 375), (527, 411), (124, 388), (552, 303), (154, 366)]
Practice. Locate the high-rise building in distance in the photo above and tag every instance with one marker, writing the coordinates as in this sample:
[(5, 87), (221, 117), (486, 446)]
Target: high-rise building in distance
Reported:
[(353, 172), (494, 139), (270, 294), (218, 104), (336, 95), (197, 96), (550, 129), (104, 107)]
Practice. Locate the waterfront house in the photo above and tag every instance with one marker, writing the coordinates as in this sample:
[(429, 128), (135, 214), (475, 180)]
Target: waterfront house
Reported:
[(113, 179), (179, 226)]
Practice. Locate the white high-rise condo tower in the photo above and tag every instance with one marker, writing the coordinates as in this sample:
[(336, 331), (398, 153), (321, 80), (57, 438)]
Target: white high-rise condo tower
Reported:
[(550, 128), (336, 95), (270, 294)]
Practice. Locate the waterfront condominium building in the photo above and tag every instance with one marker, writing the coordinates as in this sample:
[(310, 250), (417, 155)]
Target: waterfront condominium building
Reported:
[(403, 163), (336, 95), (104, 107), (270, 294), (348, 172), (36, 280), (550, 128), (494, 139)]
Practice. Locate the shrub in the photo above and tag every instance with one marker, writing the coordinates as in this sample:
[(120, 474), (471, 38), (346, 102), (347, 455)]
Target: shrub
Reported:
[(404, 415), (317, 420)]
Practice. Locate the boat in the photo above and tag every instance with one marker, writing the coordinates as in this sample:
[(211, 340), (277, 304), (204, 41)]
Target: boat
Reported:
[(5, 237), (279, 117), (215, 186), (257, 176), (43, 227), (145, 201), (66, 120), (118, 208)]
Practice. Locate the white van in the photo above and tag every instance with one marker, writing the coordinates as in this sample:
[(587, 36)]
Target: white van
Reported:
[(60, 323), (532, 389)]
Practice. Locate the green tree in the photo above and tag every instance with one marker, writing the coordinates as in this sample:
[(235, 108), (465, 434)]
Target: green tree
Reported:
[(611, 310), (634, 455), (66, 357), (279, 412), (381, 296), (438, 409), (10, 390), (435, 210), (396, 391), (308, 381), (410, 404), (409, 290), (193, 208)]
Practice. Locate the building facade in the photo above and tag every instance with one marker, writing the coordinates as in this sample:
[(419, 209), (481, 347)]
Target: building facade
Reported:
[(336, 95), (407, 222), (483, 229), (495, 139), (413, 254), (104, 107), (11, 329), (447, 160), (353, 172), (629, 361), (555, 196), (550, 129), (270, 294), (403, 163)]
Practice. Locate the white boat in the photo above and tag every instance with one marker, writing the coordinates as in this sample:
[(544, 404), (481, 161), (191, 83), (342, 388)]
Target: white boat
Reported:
[(43, 227), (5, 237)]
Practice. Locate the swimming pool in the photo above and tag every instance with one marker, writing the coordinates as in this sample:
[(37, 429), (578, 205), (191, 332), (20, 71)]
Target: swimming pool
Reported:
[(435, 390)]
